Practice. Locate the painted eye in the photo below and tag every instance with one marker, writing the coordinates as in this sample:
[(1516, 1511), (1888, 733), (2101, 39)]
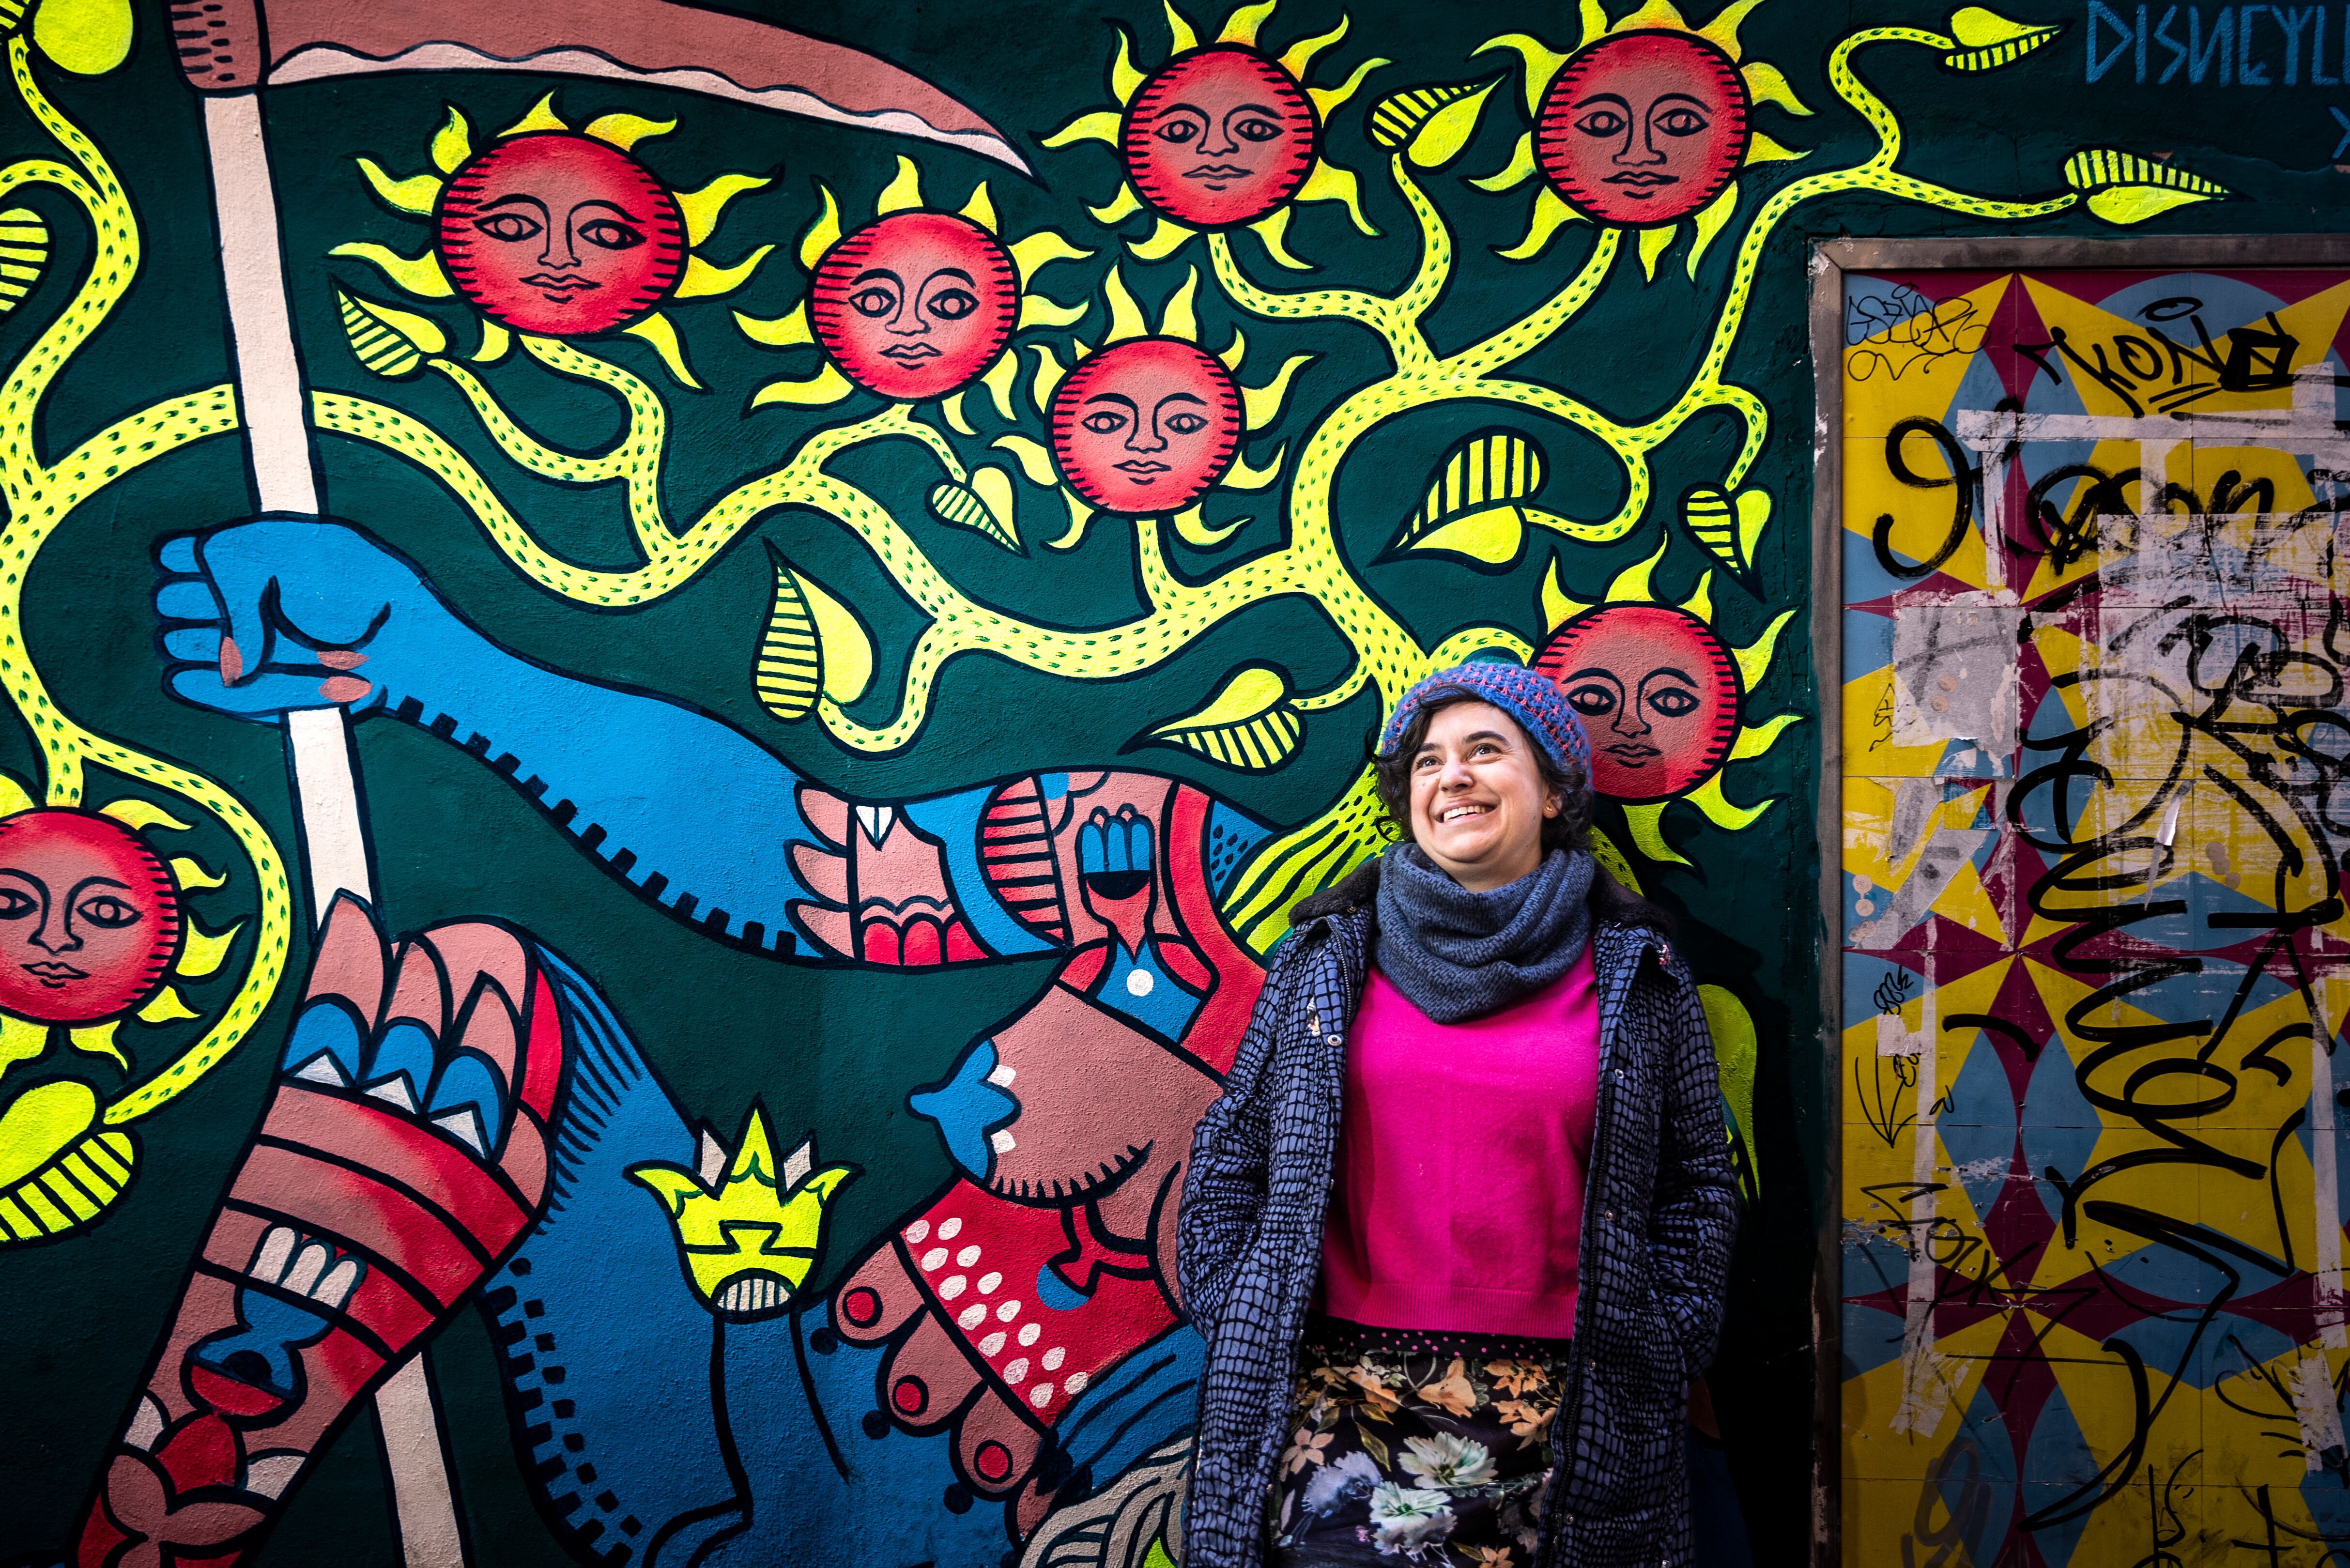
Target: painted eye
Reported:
[(106, 911), (1680, 122), (1674, 703), (1181, 132), (1256, 128), (612, 234), (876, 301), (510, 227), (16, 906), (1184, 425), (1602, 122), (1104, 422), (954, 303), (1592, 700)]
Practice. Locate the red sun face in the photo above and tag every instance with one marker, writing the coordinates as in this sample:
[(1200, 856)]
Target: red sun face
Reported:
[(1643, 129), (1217, 137), (88, 917), (1658, 692), (559, 235), (1146, 425), (915, 306)]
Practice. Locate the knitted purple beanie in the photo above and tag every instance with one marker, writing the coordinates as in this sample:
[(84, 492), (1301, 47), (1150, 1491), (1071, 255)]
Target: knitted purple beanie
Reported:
[(1533, 699)]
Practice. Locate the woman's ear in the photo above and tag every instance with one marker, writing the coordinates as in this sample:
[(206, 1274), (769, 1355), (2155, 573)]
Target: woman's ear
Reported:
[(1554, 804)]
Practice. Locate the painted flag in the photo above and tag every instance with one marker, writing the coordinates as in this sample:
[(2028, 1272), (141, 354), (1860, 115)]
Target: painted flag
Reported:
[(232, 46)]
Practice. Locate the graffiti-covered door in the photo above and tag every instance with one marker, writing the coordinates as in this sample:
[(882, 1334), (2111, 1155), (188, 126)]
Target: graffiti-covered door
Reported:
[(2093, 739)]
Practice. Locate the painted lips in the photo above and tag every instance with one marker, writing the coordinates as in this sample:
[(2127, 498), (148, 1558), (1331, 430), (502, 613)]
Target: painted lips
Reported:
[(909, 353), (53, 974)]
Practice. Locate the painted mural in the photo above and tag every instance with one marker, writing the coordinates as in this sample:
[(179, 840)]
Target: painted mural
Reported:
[(2093, 971), (669, 677)]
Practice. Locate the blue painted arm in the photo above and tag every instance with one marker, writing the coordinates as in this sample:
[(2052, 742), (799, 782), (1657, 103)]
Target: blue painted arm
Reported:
[(281, 613)]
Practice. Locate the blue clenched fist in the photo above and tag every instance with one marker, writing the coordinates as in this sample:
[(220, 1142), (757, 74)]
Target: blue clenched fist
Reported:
[(291, 612)]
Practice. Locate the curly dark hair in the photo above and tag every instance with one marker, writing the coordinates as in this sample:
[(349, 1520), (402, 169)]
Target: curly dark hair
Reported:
[(1567, 830)]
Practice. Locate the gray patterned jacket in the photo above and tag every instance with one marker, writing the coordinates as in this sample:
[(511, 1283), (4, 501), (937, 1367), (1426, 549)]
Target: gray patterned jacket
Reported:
[(1659, 1214)]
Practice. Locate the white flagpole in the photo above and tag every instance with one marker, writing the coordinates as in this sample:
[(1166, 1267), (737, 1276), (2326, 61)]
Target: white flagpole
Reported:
[(318, 740)]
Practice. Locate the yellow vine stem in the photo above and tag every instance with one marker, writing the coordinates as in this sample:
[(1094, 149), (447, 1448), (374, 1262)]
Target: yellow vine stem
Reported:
[(41, 497), (1707, 388), (671, 560)]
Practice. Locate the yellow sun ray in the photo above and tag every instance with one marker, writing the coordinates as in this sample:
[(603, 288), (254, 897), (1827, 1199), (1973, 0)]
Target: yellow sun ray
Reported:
[(1102, 125), (1299, 57), (701, 209), (98, 1040), (904, 192), (980, 208), (790, 330), (1718, 809), (167, 1007), (1167, 237), (1193, 527), (188, 873), (419, 276), (1241, 27), (656, 330), (702, 279), (1179, 319), (999, 380), (542, 116), (1551, 215), (1517, 171), (625, 131), (1654, 243), (1755, 657), (1125, 316), (823, 233), (131, 812), (205, 951), (826, 385), (1181, 38), (452, 143), (416, 195), (1327, 98)]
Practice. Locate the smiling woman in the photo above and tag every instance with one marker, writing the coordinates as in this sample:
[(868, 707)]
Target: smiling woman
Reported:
[(1464, 1196)]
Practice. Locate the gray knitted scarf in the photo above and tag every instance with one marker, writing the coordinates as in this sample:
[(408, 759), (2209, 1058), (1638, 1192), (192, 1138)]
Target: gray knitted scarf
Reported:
[(1461, 955)]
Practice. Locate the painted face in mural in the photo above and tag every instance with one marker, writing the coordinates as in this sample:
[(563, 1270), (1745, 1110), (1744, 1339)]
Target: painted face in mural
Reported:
[(916, 304), (1658, 692), (560, 235), (1643, 129), (1146, 425), (88, 917), (1219, 136)]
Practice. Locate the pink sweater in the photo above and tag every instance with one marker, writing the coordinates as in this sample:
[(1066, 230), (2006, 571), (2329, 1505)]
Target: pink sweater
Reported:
[(1457, 1198)]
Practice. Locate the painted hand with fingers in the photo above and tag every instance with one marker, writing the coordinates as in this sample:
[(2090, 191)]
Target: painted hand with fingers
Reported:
[(287, 612)]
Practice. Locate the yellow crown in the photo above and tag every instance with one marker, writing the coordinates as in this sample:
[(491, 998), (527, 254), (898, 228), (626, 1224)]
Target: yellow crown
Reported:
[(746, 1232)]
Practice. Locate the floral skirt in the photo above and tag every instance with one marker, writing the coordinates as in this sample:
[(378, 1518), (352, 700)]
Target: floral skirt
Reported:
[(1410, 1446)]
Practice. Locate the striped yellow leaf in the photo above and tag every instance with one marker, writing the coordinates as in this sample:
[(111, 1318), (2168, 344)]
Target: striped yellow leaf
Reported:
[(24, 253), (391, 343), (1472, 504), (1251, 725)]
